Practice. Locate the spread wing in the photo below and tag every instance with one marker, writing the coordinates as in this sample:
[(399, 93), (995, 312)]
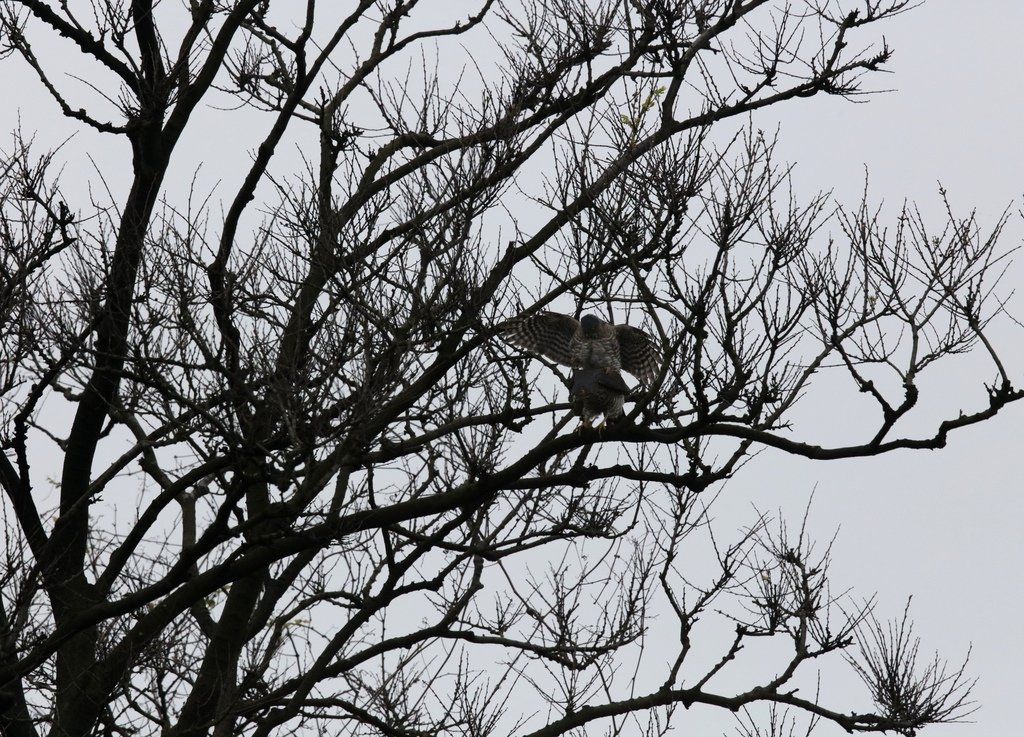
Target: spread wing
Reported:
[(545, 333), (638, 353)]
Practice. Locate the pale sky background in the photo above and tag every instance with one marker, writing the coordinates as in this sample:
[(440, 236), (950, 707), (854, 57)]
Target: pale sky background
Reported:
[(942, 526)]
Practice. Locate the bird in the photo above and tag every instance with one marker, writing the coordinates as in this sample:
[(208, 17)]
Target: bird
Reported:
[(598, 350)]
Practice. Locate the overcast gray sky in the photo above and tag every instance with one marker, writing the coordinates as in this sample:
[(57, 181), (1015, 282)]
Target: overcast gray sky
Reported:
[(944, 526)]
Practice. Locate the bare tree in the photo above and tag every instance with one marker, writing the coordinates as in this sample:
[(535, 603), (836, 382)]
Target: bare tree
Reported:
[(303, 487)]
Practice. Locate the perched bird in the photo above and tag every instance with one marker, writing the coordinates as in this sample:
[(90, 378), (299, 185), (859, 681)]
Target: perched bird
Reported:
[(597, 349)]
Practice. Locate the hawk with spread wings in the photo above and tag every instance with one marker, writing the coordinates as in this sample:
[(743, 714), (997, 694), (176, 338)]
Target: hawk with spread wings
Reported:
[(598, 350)]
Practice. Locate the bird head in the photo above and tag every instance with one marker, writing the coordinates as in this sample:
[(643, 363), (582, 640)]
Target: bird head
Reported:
[(591, 325)]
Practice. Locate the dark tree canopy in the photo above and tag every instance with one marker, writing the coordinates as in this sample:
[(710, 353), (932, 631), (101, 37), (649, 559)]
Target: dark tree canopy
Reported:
[(269, 469)]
